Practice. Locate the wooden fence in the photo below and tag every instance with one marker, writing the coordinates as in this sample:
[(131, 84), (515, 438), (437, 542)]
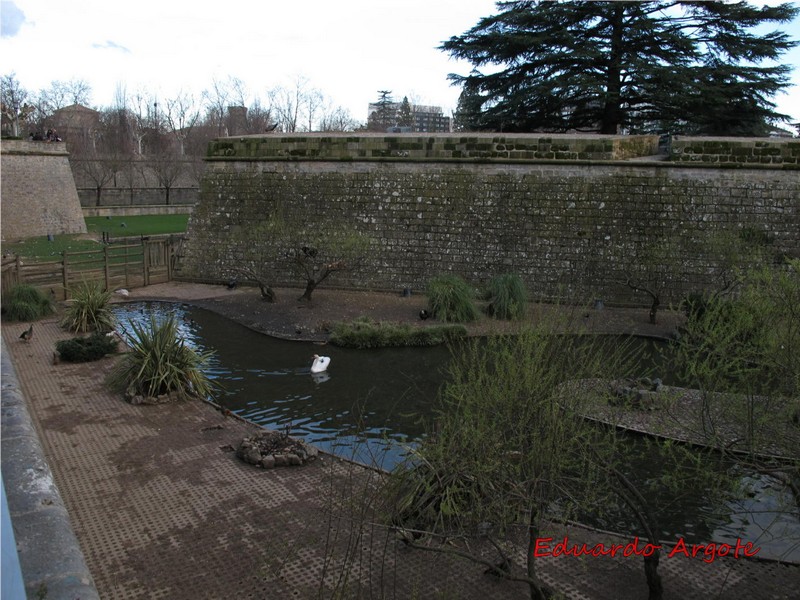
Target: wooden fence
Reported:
[(123, 264)]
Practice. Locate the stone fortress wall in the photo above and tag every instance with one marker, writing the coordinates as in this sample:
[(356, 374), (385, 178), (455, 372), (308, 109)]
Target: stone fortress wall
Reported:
[(570, 214), (37, 190)]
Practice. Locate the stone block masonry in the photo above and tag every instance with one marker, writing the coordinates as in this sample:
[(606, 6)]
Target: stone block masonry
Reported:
[(571, 227), (38, 191)]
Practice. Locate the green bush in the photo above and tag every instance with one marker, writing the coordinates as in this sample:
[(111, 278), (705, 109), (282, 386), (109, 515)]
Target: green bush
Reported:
[(160, 362), (89, 309), (507, 297), (364, 333), (450, 299), (26, 303), (86, 349)]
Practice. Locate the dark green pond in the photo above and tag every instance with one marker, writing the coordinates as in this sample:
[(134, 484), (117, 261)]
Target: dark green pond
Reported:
[(371, 404)]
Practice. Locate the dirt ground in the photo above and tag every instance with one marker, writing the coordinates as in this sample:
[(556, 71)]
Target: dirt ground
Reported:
[(288, 318)]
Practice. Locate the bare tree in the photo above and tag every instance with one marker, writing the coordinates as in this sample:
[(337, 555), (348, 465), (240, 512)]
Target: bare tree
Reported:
[(337, 119), (216, 99), (15, 104), (182, 115), (295, 107)]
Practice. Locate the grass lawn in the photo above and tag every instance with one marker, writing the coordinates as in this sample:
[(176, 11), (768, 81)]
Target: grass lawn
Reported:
[(138, 225), (40, 248)]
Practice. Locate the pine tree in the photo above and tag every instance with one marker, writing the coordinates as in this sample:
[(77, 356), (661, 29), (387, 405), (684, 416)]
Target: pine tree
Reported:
[(405, 116), (692, 67), (384, 117)]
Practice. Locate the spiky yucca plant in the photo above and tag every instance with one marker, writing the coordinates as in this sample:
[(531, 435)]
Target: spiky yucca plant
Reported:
[(160, 362), (89, 309)]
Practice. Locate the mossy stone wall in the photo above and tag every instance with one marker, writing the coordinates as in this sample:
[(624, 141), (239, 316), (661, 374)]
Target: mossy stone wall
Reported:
[(568, 227)]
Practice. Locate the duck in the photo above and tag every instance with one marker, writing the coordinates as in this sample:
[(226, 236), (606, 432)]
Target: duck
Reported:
[(424, 314), (320, 364), (27, 334)]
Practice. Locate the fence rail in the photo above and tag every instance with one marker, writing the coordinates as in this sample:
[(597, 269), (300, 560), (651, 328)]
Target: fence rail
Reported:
[(125, 263)]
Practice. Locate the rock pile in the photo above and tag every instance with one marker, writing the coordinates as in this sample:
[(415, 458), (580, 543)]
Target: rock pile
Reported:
[(270, 449)]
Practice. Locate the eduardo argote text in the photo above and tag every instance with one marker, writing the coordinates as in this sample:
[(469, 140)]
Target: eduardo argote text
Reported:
[(707, 552)]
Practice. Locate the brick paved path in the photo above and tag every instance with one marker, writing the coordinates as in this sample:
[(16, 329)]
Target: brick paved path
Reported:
[(163, 509)]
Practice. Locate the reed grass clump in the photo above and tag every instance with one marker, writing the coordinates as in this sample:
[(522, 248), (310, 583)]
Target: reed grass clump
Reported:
[(507, 297), (89, 309), (26, 303), (450, 299), (365, 333), (160, 362)]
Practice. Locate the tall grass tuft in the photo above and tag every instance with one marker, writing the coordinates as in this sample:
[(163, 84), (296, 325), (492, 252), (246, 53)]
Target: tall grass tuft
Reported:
[(450, 299), (507, 297), (26, 303), (160, 362), (89, 309)]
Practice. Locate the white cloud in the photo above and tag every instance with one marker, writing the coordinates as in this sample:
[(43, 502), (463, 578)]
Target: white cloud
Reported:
[(111, 46), (348, 49), (12, 19)]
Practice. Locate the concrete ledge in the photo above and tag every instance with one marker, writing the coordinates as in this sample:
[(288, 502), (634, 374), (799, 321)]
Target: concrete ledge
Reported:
[(49, 553)]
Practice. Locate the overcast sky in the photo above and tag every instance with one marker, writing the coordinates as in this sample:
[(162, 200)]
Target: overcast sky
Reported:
[(348, 49)]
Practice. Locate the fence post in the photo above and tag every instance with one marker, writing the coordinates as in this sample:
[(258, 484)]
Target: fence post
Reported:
[(107, 268), (145, 264), (65, 268)]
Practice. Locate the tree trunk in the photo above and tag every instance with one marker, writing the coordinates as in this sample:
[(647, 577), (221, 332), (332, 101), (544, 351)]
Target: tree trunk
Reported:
[(654, 310), (654, 585), (538, 592), (311, 285), (612, 113), (98, 190)]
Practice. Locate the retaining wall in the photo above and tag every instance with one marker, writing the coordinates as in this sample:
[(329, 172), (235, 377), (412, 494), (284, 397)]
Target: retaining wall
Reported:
[(438, 204), (38, 191)]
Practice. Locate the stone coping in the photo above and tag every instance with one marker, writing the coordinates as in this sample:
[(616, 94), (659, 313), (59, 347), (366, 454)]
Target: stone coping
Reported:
[(49, 554)]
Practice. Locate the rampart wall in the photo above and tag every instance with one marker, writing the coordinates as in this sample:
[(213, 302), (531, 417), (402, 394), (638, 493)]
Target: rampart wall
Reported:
[(572, 215), (38, 191)]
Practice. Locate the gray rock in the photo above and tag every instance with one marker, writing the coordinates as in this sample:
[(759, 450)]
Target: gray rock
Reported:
[(268, 462)]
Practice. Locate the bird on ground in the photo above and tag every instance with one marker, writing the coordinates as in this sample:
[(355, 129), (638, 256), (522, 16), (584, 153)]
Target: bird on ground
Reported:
[(424, 314), (231, 285), (320, 363), (122, 292), (27, 334)]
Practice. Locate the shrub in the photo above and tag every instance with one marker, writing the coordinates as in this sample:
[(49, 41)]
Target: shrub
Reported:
[(507, 297), (160, 362), (26, 303), (89, 309), (450, 299), (363, 333), (86, 349)]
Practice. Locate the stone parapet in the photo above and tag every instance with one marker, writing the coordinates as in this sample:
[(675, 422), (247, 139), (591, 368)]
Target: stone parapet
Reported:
[(433, 147), (775, 152)]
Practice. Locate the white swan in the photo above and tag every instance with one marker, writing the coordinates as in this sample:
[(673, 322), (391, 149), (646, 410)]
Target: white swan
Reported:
[(320, 364)]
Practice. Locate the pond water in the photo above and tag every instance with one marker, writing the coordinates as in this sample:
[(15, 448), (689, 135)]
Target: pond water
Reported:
[(371, 405)]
